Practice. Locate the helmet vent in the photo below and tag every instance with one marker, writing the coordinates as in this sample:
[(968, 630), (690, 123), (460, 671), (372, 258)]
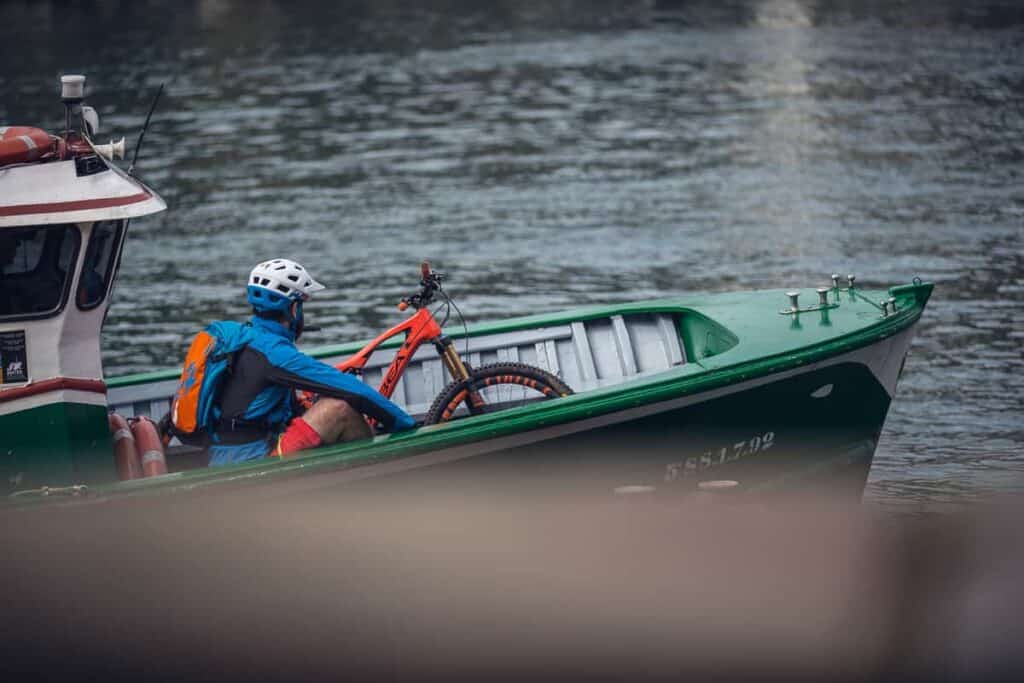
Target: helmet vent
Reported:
[(293, 278)]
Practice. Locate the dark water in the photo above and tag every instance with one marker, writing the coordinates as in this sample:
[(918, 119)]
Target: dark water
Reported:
[(551, 154)]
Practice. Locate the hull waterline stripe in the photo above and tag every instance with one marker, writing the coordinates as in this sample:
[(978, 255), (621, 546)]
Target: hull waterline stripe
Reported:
[(78, 205), (94, 386)]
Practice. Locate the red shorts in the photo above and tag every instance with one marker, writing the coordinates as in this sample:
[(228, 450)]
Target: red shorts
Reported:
[(297, 437)]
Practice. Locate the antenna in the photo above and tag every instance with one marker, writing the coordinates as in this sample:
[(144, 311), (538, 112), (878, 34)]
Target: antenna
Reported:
[(145, 127)]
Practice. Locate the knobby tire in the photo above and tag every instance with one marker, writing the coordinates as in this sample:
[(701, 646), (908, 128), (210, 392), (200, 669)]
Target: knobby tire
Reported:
[(529, 377)]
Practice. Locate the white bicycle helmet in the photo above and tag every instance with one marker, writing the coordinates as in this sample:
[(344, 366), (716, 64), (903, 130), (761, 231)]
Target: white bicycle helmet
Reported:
[(275, 284)]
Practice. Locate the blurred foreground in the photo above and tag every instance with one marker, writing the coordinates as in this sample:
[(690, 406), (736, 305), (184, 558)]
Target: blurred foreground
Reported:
[(456, 585)]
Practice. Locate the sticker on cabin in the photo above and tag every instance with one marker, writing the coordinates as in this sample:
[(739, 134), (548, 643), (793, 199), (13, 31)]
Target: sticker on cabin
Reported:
[(13, 357)]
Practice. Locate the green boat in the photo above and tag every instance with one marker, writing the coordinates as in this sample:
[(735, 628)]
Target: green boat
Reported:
[(747, 387), (749, 391)]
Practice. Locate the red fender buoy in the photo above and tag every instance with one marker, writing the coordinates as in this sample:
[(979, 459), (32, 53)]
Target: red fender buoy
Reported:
[(19, 144), (125, 455), (151, 449)]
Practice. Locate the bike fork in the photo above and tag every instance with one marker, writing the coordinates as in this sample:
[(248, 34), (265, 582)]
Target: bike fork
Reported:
[(459, 371)]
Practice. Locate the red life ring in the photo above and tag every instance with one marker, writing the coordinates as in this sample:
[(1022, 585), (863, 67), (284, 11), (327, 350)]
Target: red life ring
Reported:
[(125, 455), (149, 445), (19, 144)]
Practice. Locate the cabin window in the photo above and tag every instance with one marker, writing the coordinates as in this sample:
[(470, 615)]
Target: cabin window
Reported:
[(100, 259), (36, 265)]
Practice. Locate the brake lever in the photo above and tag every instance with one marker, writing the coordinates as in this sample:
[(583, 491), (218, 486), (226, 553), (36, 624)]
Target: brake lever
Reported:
[(415, 301)]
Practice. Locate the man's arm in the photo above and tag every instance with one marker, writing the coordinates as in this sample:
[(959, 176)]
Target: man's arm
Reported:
[(292, 368)]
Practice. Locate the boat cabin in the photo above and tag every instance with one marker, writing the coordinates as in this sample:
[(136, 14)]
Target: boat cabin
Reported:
[(65, 208)]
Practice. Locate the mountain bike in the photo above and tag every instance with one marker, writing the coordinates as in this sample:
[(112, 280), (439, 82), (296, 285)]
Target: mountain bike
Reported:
[(476, 391)]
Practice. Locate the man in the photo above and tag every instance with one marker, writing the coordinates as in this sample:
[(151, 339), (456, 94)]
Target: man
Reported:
[(259, 413)]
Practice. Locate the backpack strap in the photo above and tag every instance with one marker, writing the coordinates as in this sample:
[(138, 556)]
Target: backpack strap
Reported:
[(167, 430), (233, 431)]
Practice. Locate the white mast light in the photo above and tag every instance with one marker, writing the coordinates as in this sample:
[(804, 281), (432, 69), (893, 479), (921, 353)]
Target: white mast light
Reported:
[(72, 87)]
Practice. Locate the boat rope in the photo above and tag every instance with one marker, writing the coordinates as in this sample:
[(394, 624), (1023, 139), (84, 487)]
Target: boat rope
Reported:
[(46, 491)]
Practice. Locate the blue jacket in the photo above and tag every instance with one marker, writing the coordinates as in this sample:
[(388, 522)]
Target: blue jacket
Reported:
[(258, 400)]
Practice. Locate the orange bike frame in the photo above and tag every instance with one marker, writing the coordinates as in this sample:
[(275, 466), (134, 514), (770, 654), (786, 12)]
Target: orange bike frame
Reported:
[(420, 328)]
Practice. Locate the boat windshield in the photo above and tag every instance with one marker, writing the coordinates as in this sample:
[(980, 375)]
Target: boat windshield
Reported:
[(36, 265), (100, 259)]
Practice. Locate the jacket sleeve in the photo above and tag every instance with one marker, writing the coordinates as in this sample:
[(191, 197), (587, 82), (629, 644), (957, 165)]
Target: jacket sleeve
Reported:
[(292, 368)]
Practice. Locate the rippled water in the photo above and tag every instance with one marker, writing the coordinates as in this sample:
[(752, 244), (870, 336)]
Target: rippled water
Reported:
[(550, 154)]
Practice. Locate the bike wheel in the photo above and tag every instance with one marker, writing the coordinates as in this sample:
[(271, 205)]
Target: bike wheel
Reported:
[(501, 386)]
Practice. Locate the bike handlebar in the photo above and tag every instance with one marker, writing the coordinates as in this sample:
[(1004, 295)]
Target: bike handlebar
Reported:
[(430, 282)]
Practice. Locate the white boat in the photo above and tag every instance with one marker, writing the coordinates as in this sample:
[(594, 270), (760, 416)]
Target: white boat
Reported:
[(64, 215)]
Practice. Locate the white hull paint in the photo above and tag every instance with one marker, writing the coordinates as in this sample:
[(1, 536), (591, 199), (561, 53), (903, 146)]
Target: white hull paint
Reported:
[(51, 397), (67, 345)]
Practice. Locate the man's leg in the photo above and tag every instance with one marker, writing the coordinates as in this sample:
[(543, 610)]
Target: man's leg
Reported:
[(327, 421), (335, 420)]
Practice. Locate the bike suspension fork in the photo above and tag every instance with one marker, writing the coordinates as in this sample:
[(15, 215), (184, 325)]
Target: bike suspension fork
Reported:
[(458, 370)]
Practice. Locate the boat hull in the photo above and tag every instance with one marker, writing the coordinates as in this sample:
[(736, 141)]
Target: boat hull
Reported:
[(57, 434), (812, 430), (773, 437)]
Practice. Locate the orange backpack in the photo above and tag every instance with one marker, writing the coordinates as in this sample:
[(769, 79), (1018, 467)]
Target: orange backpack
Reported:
[(194, 409)]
